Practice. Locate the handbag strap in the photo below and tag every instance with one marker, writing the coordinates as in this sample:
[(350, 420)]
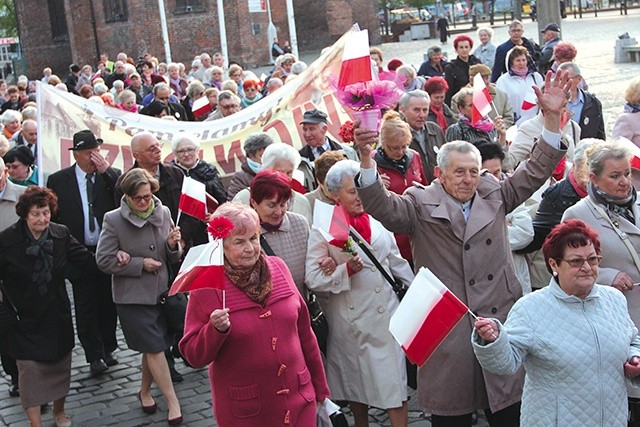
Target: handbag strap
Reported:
[(365, 248), (623, 236), (265, 246)]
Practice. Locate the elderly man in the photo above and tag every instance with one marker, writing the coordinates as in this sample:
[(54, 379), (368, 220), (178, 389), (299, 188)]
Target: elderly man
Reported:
[(426, 137), (586, 109), (314, 133), (28, 136), (458, 230), (204, 72), (118, 74), (273, 84), (218, 60), (516, 30), (9, 195), (135, 86), (551, 37), (228, 104), (85, 193), (162, 92)]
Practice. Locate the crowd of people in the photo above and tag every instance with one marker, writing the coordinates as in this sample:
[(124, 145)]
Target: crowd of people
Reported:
[(544, 227)]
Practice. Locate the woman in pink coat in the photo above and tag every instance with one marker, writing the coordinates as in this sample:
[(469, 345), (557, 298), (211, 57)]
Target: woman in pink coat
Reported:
[(628, 124), (264, 363)]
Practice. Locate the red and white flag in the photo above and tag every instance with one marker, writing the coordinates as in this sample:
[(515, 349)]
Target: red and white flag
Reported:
[(331, 220), (481, 99), (635, 151), (529, 100), (193, 200), (201, 106), (202, 268), (356, 60), (426, 315)]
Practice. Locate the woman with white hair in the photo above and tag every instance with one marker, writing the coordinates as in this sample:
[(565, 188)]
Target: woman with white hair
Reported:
[(486, 51), (359, 305), (412, 80), (127, 100), (86, 74), (282, 157), (12, 122), (177, 83), (194, 91)]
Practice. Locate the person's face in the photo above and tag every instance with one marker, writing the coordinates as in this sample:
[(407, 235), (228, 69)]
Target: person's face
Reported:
[(218, 60), (228, 107), (284, 166), (494, 167), (186, 154), (464, 47), (376, 58), (174, 72), (416, 112), (520, 63), (577, 281), (104, 58), (30, 134), (129, 103), (615, 179), (142, 199), (314, 133), (437, 99), (348, 197), (575, 80), (547, 35), (241, 250), (83, 159), (163, 70), (149, 152), (14, 96), (251, 92), (135, 82), (236, 76), (3, 85), (217, 75), (516, 34), (395, 149), (163, 95), (146, 69), (13, 126), (271, 210), (467, 107), (102, 67), (257, 156), (119, 68), (18, 171), (206, 61), (435, 58), (484, 37), (213, 99), (460, 177), (38, 219), (286, 66), (87, 71)]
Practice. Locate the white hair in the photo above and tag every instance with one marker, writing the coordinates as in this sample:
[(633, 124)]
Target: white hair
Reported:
[(184, 140), (9, 116), (338, 172), (280, 151)]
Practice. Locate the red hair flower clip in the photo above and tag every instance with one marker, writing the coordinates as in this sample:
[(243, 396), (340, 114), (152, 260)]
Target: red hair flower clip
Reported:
[(220, 227)]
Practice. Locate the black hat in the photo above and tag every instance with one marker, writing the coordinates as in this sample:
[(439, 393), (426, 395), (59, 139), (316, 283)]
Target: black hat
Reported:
[(551, 27), (74, 68), (84, 140), (314, 116)]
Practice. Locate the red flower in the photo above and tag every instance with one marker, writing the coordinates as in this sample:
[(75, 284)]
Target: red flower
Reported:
[(220, 227), (346, 132)]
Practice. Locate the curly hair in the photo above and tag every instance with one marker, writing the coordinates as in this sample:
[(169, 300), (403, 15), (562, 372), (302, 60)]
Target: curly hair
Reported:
[(38, 197), (436, 84), (572, 233)]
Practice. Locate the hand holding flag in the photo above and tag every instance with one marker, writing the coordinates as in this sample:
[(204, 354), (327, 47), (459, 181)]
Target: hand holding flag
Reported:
[(481, 99)]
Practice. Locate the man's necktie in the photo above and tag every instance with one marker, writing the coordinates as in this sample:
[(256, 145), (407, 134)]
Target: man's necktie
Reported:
[(92, 218)]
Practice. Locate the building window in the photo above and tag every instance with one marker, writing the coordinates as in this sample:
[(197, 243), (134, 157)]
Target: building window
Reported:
[(115, 10), (59, 31), (189, 6)]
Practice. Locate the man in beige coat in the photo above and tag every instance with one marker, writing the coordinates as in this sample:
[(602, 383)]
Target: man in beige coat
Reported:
[(458, 230)]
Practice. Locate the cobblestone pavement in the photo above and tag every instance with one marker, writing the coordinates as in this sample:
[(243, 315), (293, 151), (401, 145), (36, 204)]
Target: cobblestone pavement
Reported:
[(111, 399)]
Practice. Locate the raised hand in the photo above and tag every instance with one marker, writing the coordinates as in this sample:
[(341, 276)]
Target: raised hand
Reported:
[(365, 139), (554, 98)]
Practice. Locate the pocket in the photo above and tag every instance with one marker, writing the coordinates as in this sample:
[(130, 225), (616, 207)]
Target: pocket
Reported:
[(305, 387), (245, 401)]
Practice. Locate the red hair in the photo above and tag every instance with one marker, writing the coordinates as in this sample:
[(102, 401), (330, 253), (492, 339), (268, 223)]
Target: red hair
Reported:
[(268, 184), (394, 64), (250, 83), (565, 52), (572, 233), (462, 38), (436, 84)]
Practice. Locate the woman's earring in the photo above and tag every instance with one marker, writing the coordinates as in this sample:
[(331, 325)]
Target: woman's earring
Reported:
[(555, 273)]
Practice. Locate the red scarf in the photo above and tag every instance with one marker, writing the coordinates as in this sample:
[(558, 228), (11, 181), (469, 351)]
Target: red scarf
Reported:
[(579, 190), (441, 120), (362, 224)]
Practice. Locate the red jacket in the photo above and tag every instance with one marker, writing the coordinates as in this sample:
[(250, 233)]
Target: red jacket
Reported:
[(399, 183), (266, 369)]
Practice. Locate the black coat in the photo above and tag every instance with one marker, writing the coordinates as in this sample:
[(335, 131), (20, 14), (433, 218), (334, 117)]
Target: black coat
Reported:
[(456, 73), (591, 121), (208, 175), (45, 329)]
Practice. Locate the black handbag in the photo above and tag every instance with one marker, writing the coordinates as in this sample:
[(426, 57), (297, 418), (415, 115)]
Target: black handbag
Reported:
[(174, 308)]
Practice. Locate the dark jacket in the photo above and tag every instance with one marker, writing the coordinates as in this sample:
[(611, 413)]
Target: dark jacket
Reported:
[(499, 65), (209, 176), (591, 121), (434, 138), (113, 77), (448, 114), (45, 329), (456, 73), (428, 70), (240, 180)]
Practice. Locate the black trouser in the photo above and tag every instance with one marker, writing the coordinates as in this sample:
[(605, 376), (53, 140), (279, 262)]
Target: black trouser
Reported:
[(507, 417), (96, 317), (8, 362)]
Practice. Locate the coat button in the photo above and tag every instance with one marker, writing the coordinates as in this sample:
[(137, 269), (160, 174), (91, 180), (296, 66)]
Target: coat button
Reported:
[(467, 247), (490, 277), (374, 268), (494, 310), (377, 289), (488, 241), (472, 282), (350, 307), (376, 248), (380, 310)]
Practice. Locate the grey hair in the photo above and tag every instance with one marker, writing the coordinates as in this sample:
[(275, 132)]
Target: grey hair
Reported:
[(29, 113), (118, 84), (462, 147), (227, 94), (101, 88), (462, 96), (173, 65), (195, 88), (600, 153), (407, 70), (338, 172), (570, 66), (432, 50), (160, 86), (580, 155), (9, 116), (515, 23), (184, 139), (280, 151), (257, 141), (129, 69), (125, 94), (486, 29), (417, 93)]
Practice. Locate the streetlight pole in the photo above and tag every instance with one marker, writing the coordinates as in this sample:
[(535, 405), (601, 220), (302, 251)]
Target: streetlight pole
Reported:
[(165, 32)]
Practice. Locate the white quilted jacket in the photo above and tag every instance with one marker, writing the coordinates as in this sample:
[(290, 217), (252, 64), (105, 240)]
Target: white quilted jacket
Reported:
[(573, 352)]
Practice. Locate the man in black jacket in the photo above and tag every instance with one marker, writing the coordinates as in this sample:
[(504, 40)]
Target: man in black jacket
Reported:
[(586, 108), (515, 33)]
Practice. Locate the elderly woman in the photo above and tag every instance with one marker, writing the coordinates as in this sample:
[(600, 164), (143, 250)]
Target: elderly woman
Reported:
[(194, 91), (254, 147), (574, 338), (518, 82), (398, 165), (20, 162), (456, 73), (176, 82), (484, 129), (137, 243), (628, 123), (86, 74), (127, 100), (439, 111), (252, 94), (486, 51), (212, 95), (411, 80), (359, 306), (282, 157), (264, 363), (236, 73), (34, 254), (217, 77), (434, 66), (11, 120)]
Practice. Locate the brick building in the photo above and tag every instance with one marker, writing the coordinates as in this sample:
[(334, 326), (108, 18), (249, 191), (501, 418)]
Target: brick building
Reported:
[(57, 33)]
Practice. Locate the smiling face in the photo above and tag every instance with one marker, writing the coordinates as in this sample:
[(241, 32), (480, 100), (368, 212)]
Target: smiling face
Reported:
[(186, 154), (460, 176), (314, 133), (142, 199), (520, 62), (484, 37), (615, 179), (241, 250), (576, 281)]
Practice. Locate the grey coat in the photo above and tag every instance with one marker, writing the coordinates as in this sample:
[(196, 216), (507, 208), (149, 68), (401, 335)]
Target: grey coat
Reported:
[(473, 259), (122, 230)]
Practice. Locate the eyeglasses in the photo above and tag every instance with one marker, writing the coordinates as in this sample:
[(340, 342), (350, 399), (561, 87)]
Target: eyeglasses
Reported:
[(579, 262), (186, 150), (138, 199)]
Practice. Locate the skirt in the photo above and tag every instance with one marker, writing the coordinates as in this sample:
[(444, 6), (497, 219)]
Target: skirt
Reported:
[(144, 327), (43, 382)]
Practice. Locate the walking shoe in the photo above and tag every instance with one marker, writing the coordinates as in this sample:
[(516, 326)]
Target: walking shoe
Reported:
[(110, 359), (14, 391), (98, 367), (62, 420), (176, 376)]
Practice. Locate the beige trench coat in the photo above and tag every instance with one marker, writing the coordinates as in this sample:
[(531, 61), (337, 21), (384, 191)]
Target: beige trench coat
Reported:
[(474, 261)]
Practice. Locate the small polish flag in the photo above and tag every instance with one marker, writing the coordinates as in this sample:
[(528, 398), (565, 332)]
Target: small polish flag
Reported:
[(356, 60), (193, 200), (201, 106), (202, 268), (529, 100), (425, 316), (331, 221), (481, 99)]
